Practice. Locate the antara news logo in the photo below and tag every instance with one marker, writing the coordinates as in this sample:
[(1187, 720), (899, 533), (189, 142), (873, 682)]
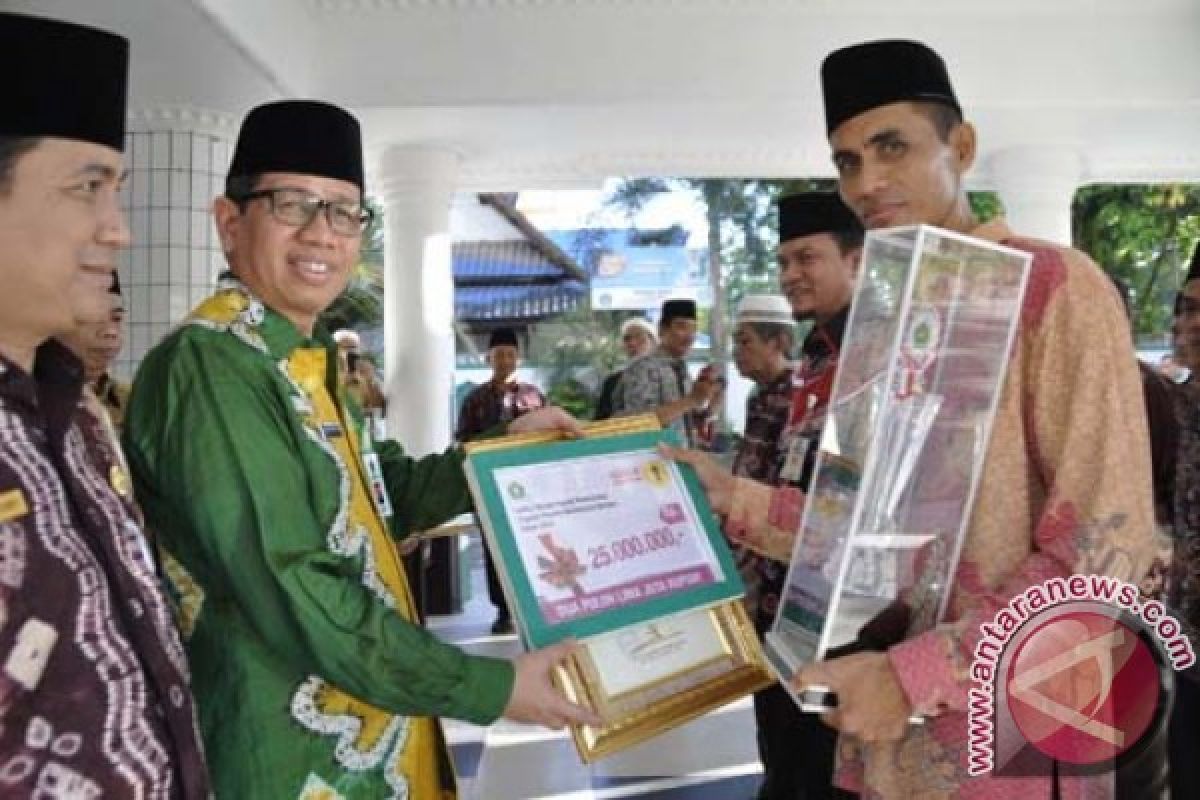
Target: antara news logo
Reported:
[(1077, 670)]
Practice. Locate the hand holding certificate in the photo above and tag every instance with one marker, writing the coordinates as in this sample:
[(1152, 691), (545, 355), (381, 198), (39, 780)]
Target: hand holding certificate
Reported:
[(606, 541), (536, 700)]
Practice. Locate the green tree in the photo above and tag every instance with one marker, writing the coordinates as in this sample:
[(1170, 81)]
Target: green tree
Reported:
[(573, 352), (985, 205), (1144, 235), (743, 232), (360, 306)]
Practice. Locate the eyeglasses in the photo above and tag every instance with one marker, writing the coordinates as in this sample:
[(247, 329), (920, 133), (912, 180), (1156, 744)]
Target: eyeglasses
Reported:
[(298, 207)]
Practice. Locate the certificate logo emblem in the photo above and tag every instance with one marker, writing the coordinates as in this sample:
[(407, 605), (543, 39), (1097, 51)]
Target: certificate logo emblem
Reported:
[(656, 474), (516, 491)]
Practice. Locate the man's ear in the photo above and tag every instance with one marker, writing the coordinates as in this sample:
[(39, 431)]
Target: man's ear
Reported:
[(227, 216), (963, 143)]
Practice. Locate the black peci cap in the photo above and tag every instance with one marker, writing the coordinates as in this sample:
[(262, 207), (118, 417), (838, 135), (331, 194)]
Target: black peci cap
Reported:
[(815, 212), (306, 137), (872, 74), (64, 81), (503, 337)]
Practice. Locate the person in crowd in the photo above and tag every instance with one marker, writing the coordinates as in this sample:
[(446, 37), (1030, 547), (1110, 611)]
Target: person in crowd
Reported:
[(659, 383), (278, 514), (1066, 485), (637, 340), (763, 336), (499, 401), (1186, 323), (1162, 397), (359, 376), (1183, 595), (1183, 740), (94, 690), (98, 344), (820, 245), (762, 344)]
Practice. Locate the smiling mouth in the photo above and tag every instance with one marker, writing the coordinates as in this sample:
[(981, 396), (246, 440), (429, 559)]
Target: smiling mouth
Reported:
[(312, 267)]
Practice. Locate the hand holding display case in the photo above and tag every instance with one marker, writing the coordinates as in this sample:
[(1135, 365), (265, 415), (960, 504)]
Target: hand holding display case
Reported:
[(922, 366)]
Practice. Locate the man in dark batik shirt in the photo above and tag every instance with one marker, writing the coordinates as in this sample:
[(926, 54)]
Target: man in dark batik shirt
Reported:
[(1183, 740), (820, 243), (499, 401), (762, 342), (1186, 326), (94, 689)]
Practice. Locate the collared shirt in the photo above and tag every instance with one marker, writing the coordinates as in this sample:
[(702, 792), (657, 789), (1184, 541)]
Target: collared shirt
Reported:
[(651, 381), (492, 404), (767, 410), (1066, 489), (760, 457), (1185, 571), (769, 527), (272, 504), (94, 689)]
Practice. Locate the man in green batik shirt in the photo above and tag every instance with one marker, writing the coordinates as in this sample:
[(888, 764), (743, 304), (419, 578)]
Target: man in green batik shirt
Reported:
[(278, 516)]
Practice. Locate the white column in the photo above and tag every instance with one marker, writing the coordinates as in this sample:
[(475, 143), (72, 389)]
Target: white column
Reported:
[(1037, 185), (417, 186), (177, 158)]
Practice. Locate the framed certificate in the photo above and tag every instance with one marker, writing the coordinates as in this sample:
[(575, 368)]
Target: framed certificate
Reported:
[(603, 540)]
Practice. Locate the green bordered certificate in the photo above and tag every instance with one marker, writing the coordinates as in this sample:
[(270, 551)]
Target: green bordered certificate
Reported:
[(598, 534), (603, 540)]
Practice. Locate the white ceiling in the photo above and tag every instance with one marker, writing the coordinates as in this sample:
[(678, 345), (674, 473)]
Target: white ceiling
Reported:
[(544, 93)]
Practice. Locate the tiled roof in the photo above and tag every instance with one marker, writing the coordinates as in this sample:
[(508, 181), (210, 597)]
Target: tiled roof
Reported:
[(517, 302), (501, 261), (510, 280)]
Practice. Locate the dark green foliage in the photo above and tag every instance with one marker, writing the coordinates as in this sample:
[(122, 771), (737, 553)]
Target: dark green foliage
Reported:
[(360, 307), (1144, 235), (574, 352)]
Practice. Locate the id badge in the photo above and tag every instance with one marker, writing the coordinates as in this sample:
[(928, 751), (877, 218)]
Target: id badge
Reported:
[(375, 484), (377, 487), (793, 462)]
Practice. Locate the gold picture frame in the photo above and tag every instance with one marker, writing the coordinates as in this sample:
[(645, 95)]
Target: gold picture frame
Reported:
[(650, 677), (736, 669)]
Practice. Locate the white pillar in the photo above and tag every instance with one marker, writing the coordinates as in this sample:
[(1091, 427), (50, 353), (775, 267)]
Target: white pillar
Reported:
[(417, 186), (177, 158), (1037, 185)]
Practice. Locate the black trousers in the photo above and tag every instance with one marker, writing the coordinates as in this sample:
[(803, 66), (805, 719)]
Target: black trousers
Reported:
[(796, 749), (495, 590), (1183, 742)]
